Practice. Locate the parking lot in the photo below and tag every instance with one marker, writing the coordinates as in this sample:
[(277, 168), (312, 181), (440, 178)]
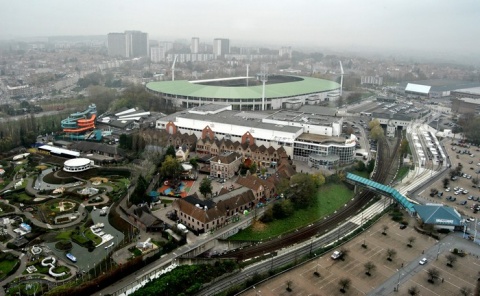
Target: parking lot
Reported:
[(405, 264), (461, 192)]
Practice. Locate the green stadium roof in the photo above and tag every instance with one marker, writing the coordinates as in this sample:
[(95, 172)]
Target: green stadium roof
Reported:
[(277, 90)]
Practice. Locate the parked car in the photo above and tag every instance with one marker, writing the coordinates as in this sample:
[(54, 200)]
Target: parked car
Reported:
[(462, 203)]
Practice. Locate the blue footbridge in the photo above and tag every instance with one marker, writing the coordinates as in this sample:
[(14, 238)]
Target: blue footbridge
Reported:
[(383, 190)]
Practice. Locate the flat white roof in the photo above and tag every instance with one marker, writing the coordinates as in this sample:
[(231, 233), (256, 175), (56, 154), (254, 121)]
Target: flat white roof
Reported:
[(76, 162), (418, 88)]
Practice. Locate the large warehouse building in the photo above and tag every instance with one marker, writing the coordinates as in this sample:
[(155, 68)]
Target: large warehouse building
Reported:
[(307, 137), (248, 93)]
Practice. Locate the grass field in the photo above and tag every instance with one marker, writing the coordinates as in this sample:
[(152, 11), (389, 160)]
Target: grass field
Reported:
[(329, 198), (6, 266)]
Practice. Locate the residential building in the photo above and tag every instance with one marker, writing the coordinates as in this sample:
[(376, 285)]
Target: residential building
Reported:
[(128, 44), (157, 54), (221, 47), (195, 45), (225, 165), (262, 189), (207, 215), (117, 45)]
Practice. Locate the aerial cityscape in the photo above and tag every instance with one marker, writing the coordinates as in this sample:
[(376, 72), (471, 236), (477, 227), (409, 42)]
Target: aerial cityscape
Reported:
[(253, 148)]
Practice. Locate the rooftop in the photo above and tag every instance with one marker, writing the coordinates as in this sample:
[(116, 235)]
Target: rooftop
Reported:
[(232, 117)]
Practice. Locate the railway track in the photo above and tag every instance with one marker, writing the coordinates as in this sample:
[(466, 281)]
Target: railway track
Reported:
[(382, 172)]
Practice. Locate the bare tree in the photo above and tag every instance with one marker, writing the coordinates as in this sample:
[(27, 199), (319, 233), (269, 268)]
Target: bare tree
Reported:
[(465, 291), (411, 239), (344, 284), (344, 253), (413, 290), (391, 253), (451, 259), (369, 266), (289, 285), (433, 273), (384, 228)]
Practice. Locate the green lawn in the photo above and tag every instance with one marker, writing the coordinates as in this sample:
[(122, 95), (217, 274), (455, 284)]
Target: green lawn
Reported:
[(402, 172), (64, 235), (93, 237), (329, 198), (6, 266)]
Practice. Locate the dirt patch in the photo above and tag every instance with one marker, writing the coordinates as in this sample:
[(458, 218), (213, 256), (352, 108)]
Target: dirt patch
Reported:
[(259, 226), (99, 180)]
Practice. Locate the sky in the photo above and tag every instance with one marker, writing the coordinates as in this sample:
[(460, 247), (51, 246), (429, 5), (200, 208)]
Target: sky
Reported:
[(446, 26)]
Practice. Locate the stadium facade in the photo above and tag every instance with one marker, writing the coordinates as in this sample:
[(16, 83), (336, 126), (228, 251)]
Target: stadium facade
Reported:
[(246, 93)]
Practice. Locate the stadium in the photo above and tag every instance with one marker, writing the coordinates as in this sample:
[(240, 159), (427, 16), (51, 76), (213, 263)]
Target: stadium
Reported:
[(246, 93)]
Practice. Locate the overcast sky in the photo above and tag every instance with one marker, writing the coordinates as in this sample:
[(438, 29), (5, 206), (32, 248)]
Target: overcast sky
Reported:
[(439, 25)]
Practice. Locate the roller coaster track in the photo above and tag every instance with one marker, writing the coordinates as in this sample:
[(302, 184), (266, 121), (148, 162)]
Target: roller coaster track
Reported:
[(381, 175)]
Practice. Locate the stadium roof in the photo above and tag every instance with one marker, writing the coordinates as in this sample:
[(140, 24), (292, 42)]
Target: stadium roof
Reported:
[(418, 88), (277, 90)]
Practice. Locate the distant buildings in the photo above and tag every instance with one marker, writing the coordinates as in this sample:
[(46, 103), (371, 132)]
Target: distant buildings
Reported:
[(221, 47), (128, 44), (195, 46), (372, 80)]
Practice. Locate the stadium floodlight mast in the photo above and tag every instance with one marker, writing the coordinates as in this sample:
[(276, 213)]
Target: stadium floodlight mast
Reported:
[(341, 77), (263, 79)]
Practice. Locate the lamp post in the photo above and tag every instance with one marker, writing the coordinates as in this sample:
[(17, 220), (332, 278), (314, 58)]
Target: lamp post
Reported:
[(438, 251)]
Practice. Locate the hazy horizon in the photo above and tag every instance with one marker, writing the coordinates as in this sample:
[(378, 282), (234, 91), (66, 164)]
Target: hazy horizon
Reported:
[(443, 27)]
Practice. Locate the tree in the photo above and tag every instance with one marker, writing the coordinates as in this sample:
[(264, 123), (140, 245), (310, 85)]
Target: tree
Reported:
[(377, 133), (205, 187), (451, 259), (344, 284), (194, 163), (302, 190), (253, 168), (391, 253), (370, 165), (433, 273), (289, 285), (283, 209), (404, 147), (344, 253), (318, 179), (465, 291), (373, 123), (446, 181), (384, 229), (339, 101), (171, 168), (139, 195), (170, 151), (413, 290), (369, 266), (410, 239)]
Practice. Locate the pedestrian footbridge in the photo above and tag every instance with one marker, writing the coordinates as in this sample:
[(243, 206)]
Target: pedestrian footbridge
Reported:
[(383, 190)]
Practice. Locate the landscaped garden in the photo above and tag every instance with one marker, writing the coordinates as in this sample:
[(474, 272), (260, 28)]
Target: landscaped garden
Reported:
[(329, 198)]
